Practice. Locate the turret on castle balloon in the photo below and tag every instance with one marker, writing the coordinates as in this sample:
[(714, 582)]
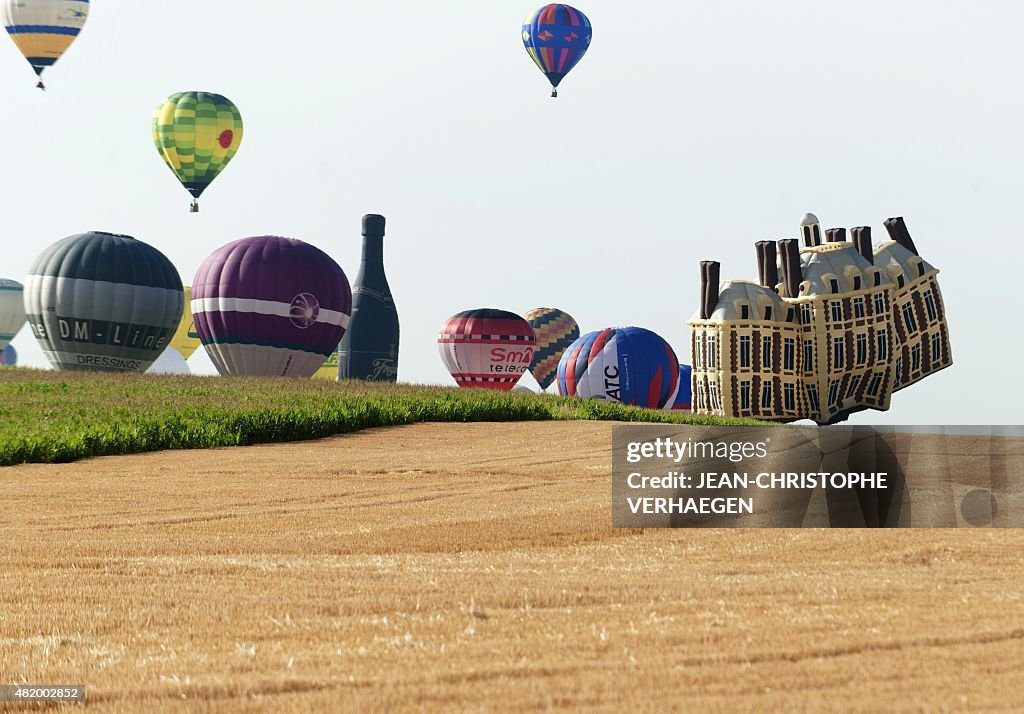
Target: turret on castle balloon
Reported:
[(846, 325)]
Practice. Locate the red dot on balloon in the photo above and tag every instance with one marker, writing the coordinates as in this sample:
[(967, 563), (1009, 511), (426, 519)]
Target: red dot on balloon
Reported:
[(226, 137)]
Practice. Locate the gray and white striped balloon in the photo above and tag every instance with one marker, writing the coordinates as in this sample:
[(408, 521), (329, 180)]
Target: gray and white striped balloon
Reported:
[(106, 302)]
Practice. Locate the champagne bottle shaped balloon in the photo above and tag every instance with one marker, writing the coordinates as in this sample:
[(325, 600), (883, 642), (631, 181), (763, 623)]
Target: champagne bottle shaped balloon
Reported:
[(369, 347)]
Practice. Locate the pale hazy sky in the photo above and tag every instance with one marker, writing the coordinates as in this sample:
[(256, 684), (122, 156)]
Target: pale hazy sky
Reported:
[(689, 131)]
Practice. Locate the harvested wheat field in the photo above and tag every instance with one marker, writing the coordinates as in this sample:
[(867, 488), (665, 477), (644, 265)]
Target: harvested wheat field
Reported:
[(472, 567)]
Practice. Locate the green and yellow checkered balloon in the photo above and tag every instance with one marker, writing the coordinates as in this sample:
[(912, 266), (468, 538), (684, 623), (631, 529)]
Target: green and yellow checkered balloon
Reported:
[(197, 134)]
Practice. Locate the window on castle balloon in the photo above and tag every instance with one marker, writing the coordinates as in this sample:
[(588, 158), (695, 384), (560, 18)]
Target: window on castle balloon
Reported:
[(936, 346), (837, 311), (879, 303), (834, 284), (766, 395), (858, 307), (862, 348), (744, 312), (908, 318), (883, 344), (808, 355), (744, 395), (788, 394), (788, 353), (838, 352), (766, 353), (812, 398), (929, 303), (874, 384), (745, 351), (915, 358)]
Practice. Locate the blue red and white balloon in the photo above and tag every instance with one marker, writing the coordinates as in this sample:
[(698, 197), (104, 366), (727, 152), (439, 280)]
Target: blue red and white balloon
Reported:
[(684, 395), (628, 365), (556, 36)]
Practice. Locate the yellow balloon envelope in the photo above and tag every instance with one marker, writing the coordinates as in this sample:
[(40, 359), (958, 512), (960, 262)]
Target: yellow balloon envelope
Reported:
[(330, 368), (186, 339)]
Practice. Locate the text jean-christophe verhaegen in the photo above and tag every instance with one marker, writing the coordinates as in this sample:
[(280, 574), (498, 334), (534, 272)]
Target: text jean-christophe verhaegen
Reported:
[(667, 449)]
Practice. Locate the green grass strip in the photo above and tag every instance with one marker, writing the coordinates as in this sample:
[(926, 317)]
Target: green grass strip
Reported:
[(57, 417)]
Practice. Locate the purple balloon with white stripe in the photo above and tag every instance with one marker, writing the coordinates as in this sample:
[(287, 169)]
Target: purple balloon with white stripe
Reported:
[(270, 306)]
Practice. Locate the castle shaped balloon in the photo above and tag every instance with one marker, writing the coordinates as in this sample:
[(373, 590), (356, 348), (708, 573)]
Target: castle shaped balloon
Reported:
[(848, 325)]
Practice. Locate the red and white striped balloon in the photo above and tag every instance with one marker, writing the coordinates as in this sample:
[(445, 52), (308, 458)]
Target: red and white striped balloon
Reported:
[(487, 348)]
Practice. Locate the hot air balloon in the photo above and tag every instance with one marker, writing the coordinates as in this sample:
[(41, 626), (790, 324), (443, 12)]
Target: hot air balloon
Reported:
[(629, 365), (270, 306), (186, 339), (197, 134), (685, 394), (486, 348), (100, 301), (555, 330), (8, 356), (329, 370), (44, 29), (556, 36), (12, 310), (170, 361)]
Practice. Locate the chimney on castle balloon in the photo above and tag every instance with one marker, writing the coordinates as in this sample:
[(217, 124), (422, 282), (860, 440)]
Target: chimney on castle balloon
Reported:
[(899, 233), (792, 271), (835, 235), (767, 267), (710, 271), (862, 241)]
